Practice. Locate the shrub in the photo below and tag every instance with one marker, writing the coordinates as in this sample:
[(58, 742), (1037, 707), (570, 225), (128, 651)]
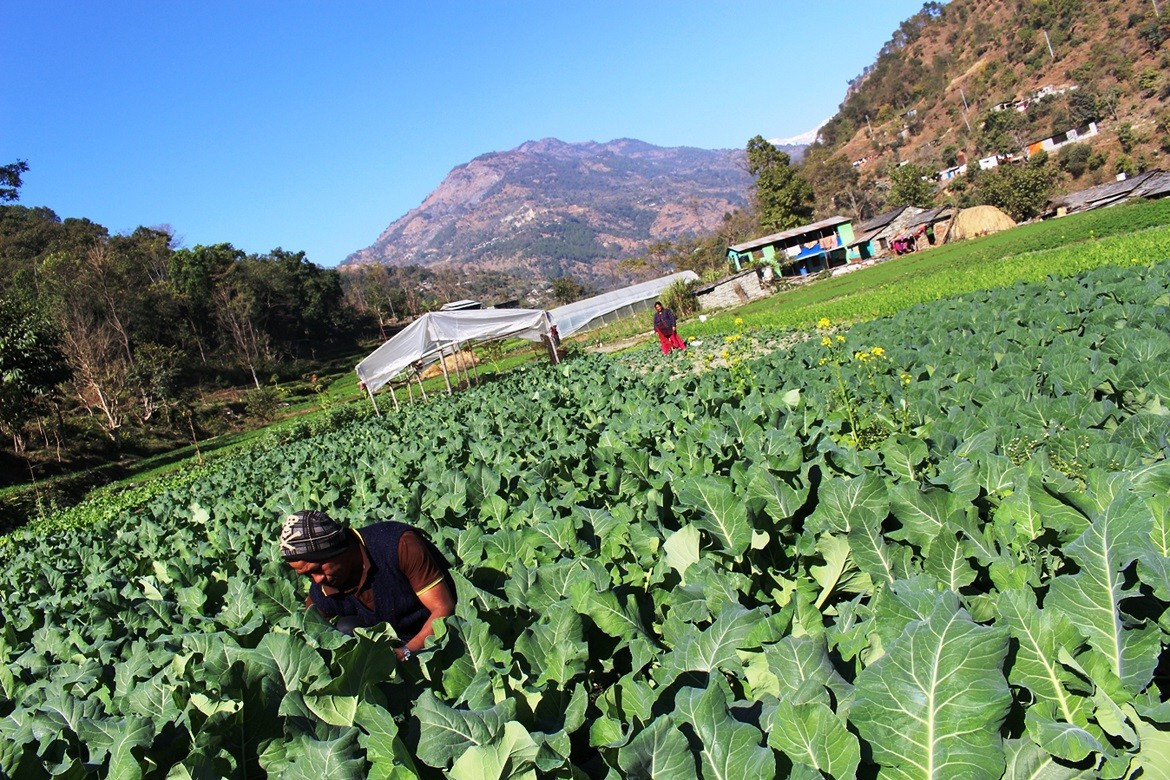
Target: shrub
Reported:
[(262, 402), (1148, 81), (1074, 159), (680, 298), (1126, 137)]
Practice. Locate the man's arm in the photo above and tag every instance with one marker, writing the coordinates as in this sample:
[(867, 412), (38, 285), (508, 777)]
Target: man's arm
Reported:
[(440, 601)]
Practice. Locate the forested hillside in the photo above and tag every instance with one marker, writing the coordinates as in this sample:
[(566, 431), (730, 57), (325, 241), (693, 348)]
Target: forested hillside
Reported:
[(117, 346)]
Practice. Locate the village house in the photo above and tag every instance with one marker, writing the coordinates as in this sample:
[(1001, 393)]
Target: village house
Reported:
[(875, 234), (800, 251), (927, 228), (1052, 143)]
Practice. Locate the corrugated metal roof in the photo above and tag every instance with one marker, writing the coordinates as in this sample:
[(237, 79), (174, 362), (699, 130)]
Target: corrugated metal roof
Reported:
[(929, 216), (776, 238), (874, 224), (1151, 184)]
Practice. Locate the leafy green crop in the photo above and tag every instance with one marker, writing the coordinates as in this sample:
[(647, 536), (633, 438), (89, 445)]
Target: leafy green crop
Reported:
[(939, 547)]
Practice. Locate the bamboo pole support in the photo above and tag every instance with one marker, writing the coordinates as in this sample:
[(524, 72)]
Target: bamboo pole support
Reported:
[(446, 375)]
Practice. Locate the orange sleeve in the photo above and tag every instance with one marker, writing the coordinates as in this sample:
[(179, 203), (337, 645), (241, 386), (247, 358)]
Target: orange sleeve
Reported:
[(416, 563)]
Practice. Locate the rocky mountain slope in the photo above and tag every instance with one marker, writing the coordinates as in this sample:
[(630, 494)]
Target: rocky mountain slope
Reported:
[(549, 208), (971, 78)]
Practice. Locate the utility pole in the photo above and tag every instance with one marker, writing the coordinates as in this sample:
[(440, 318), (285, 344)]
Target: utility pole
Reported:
[(966, 109), (1156, 11), (1049, 42), (869, 126)]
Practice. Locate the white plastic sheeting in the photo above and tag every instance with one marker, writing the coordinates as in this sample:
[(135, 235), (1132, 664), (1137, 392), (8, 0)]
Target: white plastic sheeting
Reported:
[(578, 315), (423, 339)]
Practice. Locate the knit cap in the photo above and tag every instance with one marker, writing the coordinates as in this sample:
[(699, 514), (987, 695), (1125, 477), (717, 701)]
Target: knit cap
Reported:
[(312, 536)]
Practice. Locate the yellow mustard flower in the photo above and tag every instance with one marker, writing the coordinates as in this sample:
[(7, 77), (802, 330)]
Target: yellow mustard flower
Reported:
[(827, 341), (823, 322), (738, 321), (840, 337), (878, 351)]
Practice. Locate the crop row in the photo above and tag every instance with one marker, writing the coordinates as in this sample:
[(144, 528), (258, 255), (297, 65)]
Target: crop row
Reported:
[(937, 544)]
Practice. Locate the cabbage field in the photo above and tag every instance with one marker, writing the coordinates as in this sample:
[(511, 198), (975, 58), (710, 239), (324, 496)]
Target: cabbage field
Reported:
[(934, 545)]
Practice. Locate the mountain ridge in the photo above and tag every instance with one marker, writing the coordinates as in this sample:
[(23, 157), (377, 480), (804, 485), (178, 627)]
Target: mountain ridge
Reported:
[(555, 208)]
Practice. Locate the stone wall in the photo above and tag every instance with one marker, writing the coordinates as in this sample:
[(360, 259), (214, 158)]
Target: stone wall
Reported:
[(733, 291)]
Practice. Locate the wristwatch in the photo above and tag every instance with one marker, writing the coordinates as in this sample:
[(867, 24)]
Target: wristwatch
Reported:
[(406, 654)]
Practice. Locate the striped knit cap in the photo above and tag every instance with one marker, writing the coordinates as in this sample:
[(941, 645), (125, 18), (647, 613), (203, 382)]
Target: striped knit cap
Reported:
[(310, 535)]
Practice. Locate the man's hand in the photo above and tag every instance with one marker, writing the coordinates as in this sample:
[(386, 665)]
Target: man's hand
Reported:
[(441, 602)]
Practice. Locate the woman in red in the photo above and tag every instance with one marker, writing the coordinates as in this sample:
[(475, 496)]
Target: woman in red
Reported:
[(664, 326)]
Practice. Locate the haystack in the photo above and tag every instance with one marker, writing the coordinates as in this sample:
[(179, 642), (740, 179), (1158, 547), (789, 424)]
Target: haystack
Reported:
[(453, 365), (979, 221)]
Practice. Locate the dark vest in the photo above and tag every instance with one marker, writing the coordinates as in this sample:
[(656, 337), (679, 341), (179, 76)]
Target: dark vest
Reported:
[(394, 600)]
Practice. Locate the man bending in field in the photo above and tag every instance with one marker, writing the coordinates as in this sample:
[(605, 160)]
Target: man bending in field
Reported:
[(383, 573)]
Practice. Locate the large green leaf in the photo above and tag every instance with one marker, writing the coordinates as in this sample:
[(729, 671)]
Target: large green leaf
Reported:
[(1026, 761), (716, 646), (447, 733), (511, 756), (812, 735), (780, 500), (117, 739), (555, 647), (947, 561), (932, 706), (1092, 597), (305, 758), (608, 614), (924, 513), (844, 503), (804, 670), (1154, 753), (1154, 553), (658, 751), (1041, 633), (729, 749), (839, 574), (1066, 741), (682, 549), (720, 512), (883, 561), (388, 756)]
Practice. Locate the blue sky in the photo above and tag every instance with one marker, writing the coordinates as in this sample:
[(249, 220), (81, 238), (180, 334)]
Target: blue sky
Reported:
[(313, 125)]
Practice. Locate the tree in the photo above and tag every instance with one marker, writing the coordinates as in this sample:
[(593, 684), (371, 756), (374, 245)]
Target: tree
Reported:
[(1001, 132), (240, 312), (369, 290), (566, 289), (193, 275), (909, 186), (1074, 159), (1022, 191), (783, 198), (836, 185), (31, 366), (10, 181)]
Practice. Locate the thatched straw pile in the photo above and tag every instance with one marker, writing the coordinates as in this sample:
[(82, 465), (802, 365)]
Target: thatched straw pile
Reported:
[(469, 359), (979, 221)]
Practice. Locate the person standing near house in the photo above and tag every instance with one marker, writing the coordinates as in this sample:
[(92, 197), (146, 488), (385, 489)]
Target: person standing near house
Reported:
[(664, 326)]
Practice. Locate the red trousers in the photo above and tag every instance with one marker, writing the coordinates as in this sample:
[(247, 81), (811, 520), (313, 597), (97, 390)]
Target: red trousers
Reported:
[(670, 342)]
